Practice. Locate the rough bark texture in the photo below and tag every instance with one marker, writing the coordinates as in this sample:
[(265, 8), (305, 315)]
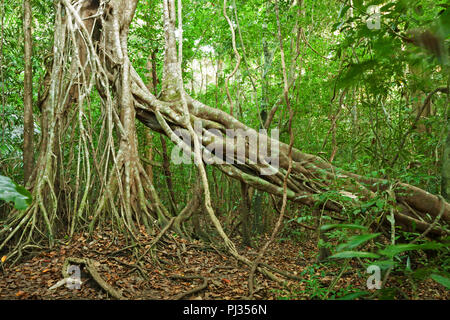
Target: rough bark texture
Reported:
[(446, 163), (28, 95)]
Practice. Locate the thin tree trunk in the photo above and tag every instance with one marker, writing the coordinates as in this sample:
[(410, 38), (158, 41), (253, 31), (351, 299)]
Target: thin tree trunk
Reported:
[(151, 85), (168, 175), (245, 216), (445, 189), (28, 128)]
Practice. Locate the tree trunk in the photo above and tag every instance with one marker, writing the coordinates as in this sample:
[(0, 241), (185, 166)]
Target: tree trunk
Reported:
[(445, 187), (245, 216), (28, 127)]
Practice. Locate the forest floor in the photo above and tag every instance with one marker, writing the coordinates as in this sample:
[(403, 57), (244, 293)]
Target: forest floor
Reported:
[(225, 278)]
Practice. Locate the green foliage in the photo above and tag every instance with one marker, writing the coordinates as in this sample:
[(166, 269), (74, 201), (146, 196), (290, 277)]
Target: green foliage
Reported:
[(354, 295), (354, 254), (389, 257), (314, 288), (11, 192), (442, 280), (393, 250), (356, 241), (327, 227)]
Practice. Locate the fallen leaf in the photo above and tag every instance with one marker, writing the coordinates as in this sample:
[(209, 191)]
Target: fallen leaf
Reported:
[(46, 270), (20, 293), (3, 259)]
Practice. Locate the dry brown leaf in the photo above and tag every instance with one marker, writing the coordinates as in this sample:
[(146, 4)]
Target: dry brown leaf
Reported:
[(20, 293)]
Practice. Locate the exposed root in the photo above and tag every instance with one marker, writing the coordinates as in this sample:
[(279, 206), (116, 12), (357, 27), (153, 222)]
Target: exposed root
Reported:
[(155, 241), (133, 267), (199, 288)]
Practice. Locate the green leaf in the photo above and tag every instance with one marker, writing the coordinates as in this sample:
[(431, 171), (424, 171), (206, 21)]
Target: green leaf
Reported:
[(444, 22), (441, 280), (354, 295), (394, 250), (358, 4), (408, 265), (423, 273), (356, 241), (354, 254), (384, 264), (11, 192), (387, 7), (342, 226), (379, 203), (343, 10)]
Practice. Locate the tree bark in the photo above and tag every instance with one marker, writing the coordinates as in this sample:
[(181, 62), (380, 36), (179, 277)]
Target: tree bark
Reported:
[(28, 128), (445, 187)]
